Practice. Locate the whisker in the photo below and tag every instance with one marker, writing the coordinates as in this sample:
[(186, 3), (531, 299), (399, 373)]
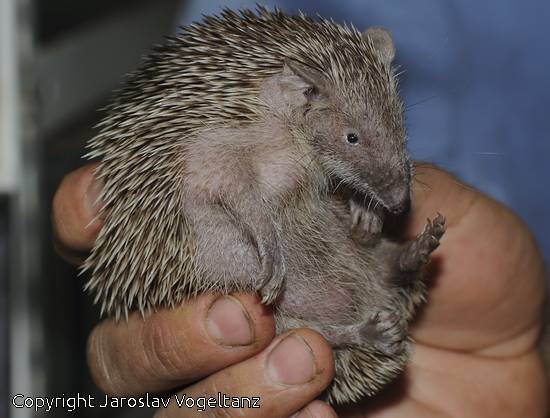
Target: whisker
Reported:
[(488, 153), (338, 185), (370, 203), (427, 99)]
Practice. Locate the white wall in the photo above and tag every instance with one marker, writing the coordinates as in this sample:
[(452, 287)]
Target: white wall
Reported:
[(8, 97)]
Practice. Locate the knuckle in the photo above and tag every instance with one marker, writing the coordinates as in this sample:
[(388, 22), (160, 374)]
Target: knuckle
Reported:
[(57, 201), (66, 216), (71, 221), (319, 409), (164, 349), (103, 373), (59, 207), (164, 413), (213, 387)]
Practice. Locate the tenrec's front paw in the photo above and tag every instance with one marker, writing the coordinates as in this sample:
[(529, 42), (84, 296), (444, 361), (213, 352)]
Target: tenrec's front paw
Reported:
[(365, 224)]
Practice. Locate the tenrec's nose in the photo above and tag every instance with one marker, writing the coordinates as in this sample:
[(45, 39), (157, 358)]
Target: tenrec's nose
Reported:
[(402, 203)]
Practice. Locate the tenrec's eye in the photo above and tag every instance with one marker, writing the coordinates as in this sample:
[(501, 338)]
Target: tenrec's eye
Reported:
[(352, 138), (309, 92)]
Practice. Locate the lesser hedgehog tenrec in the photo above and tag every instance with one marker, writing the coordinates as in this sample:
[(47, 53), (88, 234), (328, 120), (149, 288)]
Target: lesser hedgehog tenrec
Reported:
[(258, 152)]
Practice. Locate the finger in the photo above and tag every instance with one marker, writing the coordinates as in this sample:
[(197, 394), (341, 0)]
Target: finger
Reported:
[(441, 383), (295, 369), (485, 269), (514, 386), (436, 191), (177, 346), (74, 210), (316, 409)]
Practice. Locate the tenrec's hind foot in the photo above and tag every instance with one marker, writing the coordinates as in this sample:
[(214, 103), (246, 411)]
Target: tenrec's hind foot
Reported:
[(385, 332), (272, 275)]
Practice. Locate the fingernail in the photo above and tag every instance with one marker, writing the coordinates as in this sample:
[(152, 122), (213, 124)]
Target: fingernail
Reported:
[(91, 197), (292, 362), (228, 323)]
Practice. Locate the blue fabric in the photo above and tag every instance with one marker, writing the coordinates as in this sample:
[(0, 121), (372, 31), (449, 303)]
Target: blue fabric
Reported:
[(476, 84)]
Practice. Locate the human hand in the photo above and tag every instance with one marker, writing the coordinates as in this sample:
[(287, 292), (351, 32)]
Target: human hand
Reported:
[(207, 345), (475, 353)]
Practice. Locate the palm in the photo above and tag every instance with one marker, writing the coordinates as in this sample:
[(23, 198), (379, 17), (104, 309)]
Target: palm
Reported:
[(483, 317)]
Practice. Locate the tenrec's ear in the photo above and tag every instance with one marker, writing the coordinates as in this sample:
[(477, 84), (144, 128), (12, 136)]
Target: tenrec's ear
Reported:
[(296, 86), (285, 90), (382, 42), (311, 76)]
